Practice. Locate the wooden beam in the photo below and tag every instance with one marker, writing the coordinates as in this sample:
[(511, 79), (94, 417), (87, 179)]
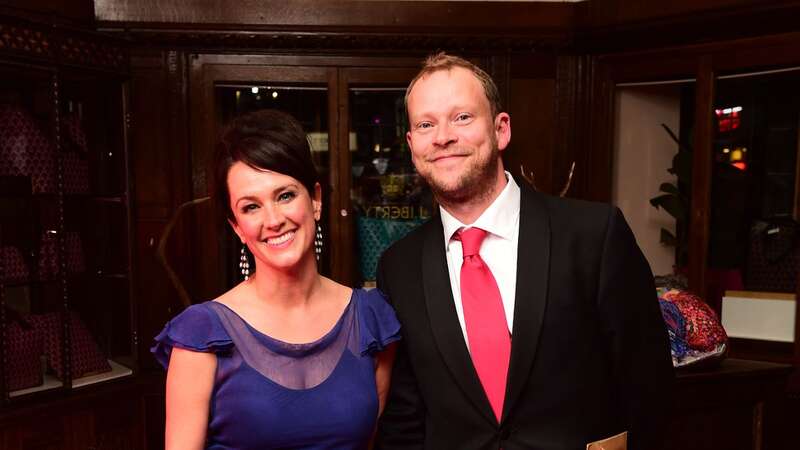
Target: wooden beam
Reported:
[(699, 218)]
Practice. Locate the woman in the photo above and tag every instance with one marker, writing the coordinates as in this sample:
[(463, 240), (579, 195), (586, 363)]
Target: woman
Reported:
[(287, 358)]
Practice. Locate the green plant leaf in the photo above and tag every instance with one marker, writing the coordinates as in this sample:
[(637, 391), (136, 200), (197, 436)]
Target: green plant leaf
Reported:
[(668, 238), (672, 204), (669, 188)]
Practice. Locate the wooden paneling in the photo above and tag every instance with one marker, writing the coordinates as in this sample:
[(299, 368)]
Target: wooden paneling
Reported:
[(616, 25), (530, 99), (573, 130), (699, 220), (161, 167), (617, 12), (503, 17), (107, 417), (81, 11), (150, 141), (531, 105)]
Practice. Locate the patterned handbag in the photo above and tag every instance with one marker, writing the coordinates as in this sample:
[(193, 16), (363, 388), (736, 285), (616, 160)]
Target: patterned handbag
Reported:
[(375, 236), (87, 359), (76, 149), (73, 131), (23, 349), (12, 262), (774, 256), (76, 173), (695, 332), (25, 150), (48, 254)]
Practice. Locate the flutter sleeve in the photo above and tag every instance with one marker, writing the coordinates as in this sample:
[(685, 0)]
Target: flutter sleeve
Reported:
[(197, 328), (378, 324)]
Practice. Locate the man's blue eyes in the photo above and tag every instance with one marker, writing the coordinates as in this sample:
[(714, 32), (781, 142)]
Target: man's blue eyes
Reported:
[(460, 117)]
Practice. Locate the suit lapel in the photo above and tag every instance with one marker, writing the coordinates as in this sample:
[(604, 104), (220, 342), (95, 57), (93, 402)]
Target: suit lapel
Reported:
[(444, 321), (533, 261)]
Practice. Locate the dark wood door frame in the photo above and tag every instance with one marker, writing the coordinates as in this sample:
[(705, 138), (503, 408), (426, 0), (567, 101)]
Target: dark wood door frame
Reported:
[(350, 77)]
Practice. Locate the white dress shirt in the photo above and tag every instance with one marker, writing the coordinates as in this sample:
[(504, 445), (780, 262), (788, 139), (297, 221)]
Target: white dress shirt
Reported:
[(498, 250)]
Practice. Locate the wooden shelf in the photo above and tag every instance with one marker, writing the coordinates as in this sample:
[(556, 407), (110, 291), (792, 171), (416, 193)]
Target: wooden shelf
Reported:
[(51, 382)]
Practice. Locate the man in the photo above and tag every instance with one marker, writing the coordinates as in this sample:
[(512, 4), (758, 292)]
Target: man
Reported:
[(529, 322)]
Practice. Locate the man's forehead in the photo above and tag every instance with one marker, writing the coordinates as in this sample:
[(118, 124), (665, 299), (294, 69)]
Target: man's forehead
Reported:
[(448, 73)]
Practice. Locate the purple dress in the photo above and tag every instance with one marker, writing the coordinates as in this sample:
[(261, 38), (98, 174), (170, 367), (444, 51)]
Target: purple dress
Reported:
[(270, 394)]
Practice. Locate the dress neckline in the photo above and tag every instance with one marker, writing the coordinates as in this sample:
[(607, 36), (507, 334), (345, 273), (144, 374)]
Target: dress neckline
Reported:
[(291, 348)]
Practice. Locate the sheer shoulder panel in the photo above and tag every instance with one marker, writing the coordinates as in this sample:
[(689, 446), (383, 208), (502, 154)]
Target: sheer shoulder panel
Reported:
[(293, 366)]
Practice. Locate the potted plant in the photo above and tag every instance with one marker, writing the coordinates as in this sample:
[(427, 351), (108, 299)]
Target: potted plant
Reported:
[(675, 199)]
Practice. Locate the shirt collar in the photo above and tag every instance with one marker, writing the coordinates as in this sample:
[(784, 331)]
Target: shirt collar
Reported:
[(499, 218)]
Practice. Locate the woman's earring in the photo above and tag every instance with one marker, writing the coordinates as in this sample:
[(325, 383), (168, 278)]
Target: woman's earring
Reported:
[(318, 242), (244, 264)]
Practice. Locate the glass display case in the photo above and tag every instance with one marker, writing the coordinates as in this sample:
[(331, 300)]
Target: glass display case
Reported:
[(754, 181), (65, 291), (754, 238), (389, 198)]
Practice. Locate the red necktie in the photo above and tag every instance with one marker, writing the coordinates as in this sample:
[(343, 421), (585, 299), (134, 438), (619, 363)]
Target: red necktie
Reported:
[(487, 329)]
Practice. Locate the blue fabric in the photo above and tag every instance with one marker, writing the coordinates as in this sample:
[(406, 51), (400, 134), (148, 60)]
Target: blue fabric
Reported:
[(255, 404)]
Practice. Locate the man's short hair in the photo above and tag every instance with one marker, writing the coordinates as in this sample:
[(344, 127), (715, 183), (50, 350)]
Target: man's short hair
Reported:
[(443, 61)]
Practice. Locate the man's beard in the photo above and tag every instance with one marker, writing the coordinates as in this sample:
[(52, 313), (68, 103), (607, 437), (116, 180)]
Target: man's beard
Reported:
[(477, 181)]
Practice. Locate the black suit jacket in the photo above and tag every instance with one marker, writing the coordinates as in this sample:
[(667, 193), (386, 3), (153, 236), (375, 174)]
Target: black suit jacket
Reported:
[(589, 354)]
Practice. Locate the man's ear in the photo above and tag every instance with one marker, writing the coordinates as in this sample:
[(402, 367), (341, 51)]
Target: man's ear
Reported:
[(502, 130), (316, 200), (408, 139)]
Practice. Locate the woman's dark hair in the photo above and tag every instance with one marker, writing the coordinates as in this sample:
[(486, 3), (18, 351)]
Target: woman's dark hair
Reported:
[(264, 140)]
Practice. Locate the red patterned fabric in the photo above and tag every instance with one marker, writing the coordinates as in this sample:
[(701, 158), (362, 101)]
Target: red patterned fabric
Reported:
[(774, 256), (704, 331), (48, 255), (74, 250), (25, 150), (86, 356), (14, 269), (23, 354), (76, 173), (73, 131)]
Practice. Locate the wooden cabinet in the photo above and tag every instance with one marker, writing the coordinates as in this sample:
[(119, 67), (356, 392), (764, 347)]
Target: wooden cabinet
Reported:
[(725, 407), (68, 329)]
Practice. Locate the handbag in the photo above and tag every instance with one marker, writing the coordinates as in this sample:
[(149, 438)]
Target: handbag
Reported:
[(48, 255), (696, 335), (23, 349), (76, 149), (14, 268), (25, 150), (375, 236), (87, 359), (774, 256)]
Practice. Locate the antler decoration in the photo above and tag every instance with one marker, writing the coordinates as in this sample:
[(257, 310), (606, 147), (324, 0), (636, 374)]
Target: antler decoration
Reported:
[(569, 180), (529, 177), (161, 250)]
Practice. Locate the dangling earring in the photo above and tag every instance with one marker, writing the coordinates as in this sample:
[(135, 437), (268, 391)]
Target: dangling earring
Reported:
[(244, 264), (318, 242)]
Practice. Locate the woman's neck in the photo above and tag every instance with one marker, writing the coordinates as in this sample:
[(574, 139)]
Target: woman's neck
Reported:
[(288, 289)]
